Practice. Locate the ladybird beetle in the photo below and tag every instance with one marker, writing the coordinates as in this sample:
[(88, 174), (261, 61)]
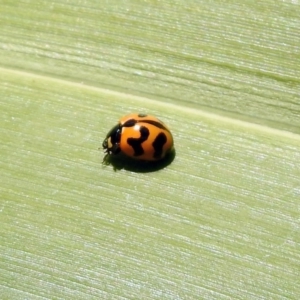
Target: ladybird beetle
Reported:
[(139, 136)]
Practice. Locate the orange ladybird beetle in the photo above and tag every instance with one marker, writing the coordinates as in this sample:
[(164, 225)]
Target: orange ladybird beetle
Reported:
[(139, 136)]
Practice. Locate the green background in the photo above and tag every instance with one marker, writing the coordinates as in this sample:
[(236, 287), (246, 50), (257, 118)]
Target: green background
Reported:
[(221, 221)]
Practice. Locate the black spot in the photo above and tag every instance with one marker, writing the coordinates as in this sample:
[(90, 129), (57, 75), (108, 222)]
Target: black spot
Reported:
[(158, 145), (142, 115), (129, 123), (136, 143)]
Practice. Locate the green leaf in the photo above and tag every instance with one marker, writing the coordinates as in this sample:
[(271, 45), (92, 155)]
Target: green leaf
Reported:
[(221, 221)]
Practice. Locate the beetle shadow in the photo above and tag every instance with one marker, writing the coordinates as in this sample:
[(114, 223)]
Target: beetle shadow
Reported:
[(120, 162)]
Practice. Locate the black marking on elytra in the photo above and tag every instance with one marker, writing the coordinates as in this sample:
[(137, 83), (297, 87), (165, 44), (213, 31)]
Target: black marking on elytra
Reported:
[(158, 144), (136, 143), (132, 122), (129, 123), (155, 123)]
